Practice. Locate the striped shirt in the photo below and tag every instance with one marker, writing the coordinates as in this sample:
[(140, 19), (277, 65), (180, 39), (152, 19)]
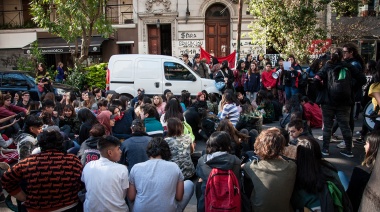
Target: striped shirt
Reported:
[(231, 112)]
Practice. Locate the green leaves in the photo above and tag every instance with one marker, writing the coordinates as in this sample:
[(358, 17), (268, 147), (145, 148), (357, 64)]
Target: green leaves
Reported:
[(71, 19), (96, 75), (288, 25)]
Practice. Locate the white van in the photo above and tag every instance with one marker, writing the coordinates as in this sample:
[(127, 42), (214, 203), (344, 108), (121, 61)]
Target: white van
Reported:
[(155, 73)]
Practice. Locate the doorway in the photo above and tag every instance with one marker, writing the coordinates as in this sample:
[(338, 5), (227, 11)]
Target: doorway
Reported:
[(218, 30), (159, 39)]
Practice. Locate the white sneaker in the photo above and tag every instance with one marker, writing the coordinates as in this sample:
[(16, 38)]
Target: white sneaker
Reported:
[(342, 145), (320, 138)]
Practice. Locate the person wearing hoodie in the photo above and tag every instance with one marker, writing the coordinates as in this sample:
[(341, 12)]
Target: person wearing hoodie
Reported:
[(89, 149), (133, 150), (218, 148), (333, 107), (27, 140)]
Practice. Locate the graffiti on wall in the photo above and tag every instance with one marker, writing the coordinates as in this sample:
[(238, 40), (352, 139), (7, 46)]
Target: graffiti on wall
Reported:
[(10, 61), (190, 43), (246, 47)]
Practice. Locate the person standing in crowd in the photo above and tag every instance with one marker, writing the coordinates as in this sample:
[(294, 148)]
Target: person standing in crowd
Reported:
[(248, 60), (43, 79), (374, 93), (261, 63), (200, 67), (271, 175), (25, 100), (240, 77), (252, 82), (292, 78), (185, 58), (52, 177), (158, 184), (61, 73), (215, 67), (351, 55), (225, 75), (338, 108), (362, 173), (109, 196), (280, 71), (311, 72), (269, 83), (134, 148), (134, 101)]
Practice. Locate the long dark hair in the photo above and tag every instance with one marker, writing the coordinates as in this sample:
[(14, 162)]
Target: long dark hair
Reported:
[(373, 140), (336, 56), (86, 116), (173, 109), (355, 53), (376, 75), (309, 165)]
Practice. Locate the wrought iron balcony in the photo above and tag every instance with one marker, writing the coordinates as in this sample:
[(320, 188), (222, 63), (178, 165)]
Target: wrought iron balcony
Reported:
[(13, 19), (120, 13)]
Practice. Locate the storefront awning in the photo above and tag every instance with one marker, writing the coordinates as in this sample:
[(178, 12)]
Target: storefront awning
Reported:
[(60, 46)]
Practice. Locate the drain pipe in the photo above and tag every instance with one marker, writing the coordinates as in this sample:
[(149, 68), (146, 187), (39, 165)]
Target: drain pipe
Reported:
[(187, 12)]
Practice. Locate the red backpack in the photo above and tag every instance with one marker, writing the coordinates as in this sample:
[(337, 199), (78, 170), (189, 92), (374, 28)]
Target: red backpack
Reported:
[(222, 191)]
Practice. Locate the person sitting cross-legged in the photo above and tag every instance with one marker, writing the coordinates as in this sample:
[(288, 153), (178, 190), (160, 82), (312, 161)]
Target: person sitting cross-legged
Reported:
[(106, 181)]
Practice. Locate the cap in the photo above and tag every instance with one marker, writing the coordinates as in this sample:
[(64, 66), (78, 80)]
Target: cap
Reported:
[(197, 55)]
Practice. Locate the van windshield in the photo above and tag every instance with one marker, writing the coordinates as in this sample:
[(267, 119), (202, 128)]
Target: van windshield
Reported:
[(176, 71)]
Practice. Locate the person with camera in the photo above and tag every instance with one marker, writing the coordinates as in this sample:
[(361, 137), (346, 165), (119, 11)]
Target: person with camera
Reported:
[(140, 91), (225, 75)]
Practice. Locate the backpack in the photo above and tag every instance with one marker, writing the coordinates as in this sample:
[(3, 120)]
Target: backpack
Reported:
[(222, 191), (302, 79), (339, 84)]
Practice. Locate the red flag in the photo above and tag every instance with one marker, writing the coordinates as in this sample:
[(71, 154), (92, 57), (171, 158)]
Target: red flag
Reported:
[(231, 58)]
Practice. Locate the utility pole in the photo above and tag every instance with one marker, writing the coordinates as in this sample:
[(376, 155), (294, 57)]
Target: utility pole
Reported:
[(239, 30)]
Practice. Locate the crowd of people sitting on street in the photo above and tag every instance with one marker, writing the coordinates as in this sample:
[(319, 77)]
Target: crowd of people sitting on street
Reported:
[(109, 152)]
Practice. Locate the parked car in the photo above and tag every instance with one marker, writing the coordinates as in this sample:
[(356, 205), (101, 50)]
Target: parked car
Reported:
[(13, 81)]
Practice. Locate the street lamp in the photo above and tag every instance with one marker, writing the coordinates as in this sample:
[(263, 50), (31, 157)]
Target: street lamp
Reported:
[(158, 23)]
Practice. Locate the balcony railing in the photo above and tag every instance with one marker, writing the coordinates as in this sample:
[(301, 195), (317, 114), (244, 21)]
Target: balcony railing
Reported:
[(13, 19), (120, 13)]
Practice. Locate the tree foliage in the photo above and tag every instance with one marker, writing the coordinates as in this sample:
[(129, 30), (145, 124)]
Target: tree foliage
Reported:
[(72, 19), (288, 25), (345, 7)]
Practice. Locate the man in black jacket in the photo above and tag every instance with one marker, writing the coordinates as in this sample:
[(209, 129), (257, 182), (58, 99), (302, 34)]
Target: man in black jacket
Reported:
[(332, 106)]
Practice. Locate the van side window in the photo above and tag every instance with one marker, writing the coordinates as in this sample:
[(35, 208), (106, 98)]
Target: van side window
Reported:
[(176, 71)]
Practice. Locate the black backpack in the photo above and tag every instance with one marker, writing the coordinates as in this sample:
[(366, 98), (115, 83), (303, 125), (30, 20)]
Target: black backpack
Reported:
[(302, 79), (339, 84)]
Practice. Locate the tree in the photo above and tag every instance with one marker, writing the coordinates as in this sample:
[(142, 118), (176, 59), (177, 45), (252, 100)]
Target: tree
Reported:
[(348, 29), (72, 19), (289, 26)]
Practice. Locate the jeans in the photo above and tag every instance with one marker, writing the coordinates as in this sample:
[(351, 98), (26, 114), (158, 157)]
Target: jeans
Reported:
[(251, 96), (188, 193), (290, 91), (342, 115)]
